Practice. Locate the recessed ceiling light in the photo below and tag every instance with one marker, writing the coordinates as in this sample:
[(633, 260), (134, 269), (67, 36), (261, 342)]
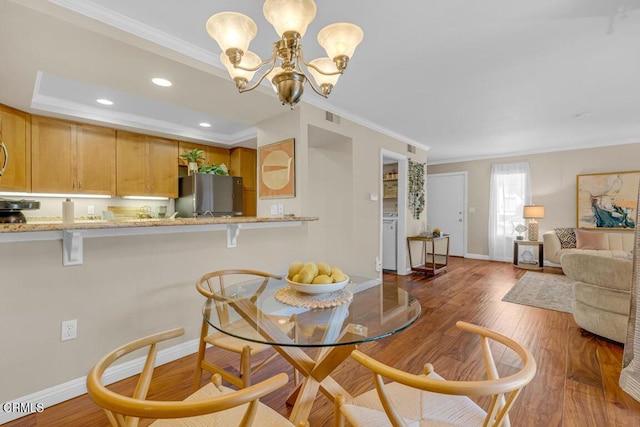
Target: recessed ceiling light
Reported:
[(161, 82), (104, 101), (205, 125)]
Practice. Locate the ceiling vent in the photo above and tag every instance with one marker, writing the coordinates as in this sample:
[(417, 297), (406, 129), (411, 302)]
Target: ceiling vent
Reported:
[(411, 149), (333, 118)]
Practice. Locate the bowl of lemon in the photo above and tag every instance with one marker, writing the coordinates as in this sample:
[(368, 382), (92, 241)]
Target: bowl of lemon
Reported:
[(315, 278)]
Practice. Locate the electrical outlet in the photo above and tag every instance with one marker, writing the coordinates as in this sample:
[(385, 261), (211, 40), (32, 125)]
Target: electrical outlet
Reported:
[(91, 210), (281, 208), (274, 209), (69, 330), (378, 264)]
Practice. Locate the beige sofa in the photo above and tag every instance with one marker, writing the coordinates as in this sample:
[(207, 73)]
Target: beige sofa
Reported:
[(601, 293), (616, 244)]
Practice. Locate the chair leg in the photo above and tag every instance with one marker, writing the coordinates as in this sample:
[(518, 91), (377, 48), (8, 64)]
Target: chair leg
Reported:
[(245, 365), (338, 418), (201, 350)]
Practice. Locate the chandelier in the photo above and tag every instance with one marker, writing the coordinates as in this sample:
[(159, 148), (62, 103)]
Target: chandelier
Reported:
[(234, 31)]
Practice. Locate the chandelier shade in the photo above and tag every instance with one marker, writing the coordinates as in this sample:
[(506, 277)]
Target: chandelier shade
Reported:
[(288, 15), (340, 39), (249, 60), (286, 69), (232, 30), (328, 71)]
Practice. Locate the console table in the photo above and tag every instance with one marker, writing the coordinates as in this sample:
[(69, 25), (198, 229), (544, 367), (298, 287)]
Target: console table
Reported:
[(432, 261)]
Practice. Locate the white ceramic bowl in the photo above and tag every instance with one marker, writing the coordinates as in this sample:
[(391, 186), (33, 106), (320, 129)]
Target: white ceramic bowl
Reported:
[(318, 289)]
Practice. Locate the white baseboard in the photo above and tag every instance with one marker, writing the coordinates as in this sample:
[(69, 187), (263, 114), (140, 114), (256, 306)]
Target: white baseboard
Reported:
[(477, 256), (74, 388)]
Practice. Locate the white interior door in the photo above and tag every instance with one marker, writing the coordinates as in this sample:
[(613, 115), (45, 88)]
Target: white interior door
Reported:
[(446, 208)]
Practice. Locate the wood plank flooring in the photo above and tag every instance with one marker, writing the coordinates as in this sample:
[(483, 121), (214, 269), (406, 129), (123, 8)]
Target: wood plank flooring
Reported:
[(576, 383)]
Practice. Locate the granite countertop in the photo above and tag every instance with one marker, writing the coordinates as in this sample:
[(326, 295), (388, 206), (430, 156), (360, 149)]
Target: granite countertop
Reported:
[(55, 224)]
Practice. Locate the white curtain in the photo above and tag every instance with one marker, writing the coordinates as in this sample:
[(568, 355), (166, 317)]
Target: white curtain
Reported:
[(510, 191), (630, 376)]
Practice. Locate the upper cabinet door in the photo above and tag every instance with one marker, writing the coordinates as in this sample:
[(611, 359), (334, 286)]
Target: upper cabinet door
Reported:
[(218, 156), (16, 134), (96, 160), (72, 158), (161, 167), (53, 156), (146, 165), (131, 160), (243, 163)]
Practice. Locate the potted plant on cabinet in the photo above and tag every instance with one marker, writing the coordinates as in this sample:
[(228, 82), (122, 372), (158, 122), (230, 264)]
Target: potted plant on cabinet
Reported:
[(214, 169), (192, 157)]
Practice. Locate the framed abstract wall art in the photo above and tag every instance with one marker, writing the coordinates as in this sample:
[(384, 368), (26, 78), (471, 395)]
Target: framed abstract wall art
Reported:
[(276, 169), (607, 200)]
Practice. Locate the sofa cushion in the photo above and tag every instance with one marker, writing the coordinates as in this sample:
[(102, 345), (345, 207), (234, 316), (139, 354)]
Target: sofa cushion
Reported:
[(596, 240), (567, 237)]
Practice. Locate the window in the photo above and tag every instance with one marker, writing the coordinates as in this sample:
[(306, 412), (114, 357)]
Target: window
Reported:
[(510, 191)]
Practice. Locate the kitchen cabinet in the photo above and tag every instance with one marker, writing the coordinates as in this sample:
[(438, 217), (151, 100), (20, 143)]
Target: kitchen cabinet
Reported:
[(146, 165), (68, 157), (211, 154), (16, 134), (244, 164)]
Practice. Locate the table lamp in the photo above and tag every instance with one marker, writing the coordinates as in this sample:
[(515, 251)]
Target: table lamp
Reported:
[(532, 213)]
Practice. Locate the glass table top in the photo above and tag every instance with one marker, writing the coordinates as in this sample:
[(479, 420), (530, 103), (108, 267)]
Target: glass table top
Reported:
[(252, 313)]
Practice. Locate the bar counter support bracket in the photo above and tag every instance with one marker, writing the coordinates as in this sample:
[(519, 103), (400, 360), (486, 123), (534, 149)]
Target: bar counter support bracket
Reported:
[(72, 247), (233, 230)]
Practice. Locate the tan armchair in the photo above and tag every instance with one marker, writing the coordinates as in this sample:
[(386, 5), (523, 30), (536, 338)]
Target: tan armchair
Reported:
[(601, 293)]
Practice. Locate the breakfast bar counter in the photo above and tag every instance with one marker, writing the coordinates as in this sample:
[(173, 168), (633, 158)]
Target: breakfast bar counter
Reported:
[(58, 225), (73, 234)]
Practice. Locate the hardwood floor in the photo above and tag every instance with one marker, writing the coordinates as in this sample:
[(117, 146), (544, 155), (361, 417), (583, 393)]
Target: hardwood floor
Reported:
[(576, 383)]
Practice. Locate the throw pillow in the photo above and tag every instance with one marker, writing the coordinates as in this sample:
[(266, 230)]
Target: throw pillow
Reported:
[(591, 240), (567, 237)]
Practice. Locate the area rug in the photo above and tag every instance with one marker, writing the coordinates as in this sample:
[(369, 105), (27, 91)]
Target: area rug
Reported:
[(544, 290)]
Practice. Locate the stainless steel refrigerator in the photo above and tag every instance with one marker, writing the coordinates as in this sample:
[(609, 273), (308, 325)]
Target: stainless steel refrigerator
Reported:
[(203, 194)]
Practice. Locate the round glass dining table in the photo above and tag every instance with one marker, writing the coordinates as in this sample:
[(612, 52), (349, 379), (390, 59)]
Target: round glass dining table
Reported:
[(369, 310)]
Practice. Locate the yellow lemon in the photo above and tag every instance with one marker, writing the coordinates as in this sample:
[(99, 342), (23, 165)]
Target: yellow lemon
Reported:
[(295, 268), (324, 268), (305, 276), (322, 279), (313, 266)]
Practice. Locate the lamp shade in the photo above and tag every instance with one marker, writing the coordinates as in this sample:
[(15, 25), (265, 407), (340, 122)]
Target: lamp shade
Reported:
[(533, 211), (326, 65), (232, 30), (289, 15), (340, 39), (249, 60)]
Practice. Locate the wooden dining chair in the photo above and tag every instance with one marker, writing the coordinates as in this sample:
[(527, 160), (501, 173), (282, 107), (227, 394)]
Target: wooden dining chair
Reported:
[(429, 399), (214, 286), (211, 405)]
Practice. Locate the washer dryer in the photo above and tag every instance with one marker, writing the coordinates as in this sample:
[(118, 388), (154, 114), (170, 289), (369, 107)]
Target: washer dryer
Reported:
[(390, 242)]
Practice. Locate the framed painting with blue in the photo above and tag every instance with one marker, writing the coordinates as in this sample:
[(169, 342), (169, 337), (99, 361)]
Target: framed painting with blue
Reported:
[(607, 200)]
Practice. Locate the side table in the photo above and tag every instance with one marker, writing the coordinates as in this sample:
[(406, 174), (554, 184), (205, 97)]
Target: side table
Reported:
[(527, 257), (432, 262)]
